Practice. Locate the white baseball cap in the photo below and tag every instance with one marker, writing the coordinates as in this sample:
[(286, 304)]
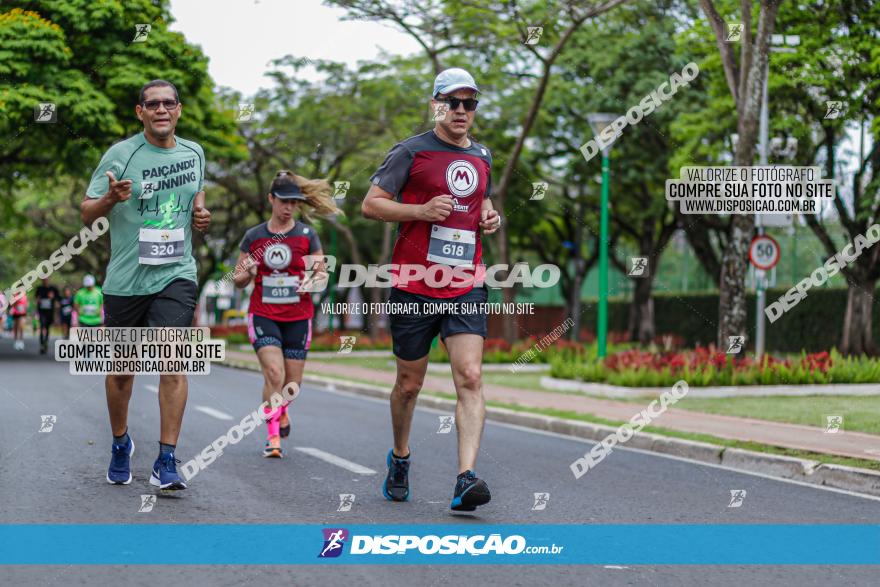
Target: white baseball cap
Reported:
[(89, 281), (452, 79)]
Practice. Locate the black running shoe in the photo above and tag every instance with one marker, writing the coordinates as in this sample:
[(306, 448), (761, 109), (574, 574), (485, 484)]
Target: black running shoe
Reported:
[(469, 493), (284, 431), (396, 487)]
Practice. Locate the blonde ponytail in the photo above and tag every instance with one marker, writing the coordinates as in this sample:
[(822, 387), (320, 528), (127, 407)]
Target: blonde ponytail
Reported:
[(319, 194)]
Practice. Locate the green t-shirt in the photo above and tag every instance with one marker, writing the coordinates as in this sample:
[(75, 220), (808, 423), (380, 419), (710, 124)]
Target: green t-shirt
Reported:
[(89, 304), (150, 234)]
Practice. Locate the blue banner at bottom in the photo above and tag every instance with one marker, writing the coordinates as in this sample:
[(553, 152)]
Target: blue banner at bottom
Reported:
[(538, 544)]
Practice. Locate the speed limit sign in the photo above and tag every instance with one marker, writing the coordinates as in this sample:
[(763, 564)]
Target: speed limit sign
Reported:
[(764, 252)]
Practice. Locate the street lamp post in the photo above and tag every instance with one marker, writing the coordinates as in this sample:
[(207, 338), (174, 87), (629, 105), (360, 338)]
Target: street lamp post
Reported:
[(599, 121), (778, 44)]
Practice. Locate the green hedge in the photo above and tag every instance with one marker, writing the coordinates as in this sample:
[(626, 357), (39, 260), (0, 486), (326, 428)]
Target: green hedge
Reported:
[(815, 324), (794, 372)]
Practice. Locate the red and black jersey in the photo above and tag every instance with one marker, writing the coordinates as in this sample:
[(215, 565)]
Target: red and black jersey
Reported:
[(419, 169), (280, 271)]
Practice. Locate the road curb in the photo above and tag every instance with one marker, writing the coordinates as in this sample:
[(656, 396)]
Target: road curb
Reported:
[(853, 479)]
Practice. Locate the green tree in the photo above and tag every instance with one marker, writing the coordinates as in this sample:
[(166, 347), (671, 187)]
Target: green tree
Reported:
[(622, 57), (838, 59), (339, 128), (490, 39), (83, 56)]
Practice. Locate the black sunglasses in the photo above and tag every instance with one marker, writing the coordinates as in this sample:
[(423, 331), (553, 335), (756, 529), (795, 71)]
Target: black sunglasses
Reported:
[(154, 104), (470, 104)]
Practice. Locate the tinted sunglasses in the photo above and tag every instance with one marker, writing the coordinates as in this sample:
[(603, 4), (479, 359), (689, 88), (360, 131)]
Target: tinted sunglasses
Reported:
[(154, 104), (470, 104)]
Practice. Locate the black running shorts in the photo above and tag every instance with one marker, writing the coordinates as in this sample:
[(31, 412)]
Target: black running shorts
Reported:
[(174, 306), (413, 329), (293, 338), (47, 317)]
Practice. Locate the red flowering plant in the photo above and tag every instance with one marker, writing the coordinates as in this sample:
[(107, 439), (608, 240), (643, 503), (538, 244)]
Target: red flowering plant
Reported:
[(705, 366)]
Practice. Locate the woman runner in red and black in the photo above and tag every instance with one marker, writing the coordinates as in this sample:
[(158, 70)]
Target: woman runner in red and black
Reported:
[(273, 255)]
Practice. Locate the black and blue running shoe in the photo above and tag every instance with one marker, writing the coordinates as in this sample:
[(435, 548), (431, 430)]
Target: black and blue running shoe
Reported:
[(469, 493), (119, 472), (396, 487), (165, 475)]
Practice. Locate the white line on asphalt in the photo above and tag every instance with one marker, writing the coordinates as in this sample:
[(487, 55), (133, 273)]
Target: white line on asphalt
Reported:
[(623, 448), (153, 388), (213, 413), (335, 460)]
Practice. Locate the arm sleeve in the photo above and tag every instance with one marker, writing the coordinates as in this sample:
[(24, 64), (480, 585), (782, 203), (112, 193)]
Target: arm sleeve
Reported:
[(245, 245), (202, 170), (314, 241), (100, 183), (489, 179), (393, 174)]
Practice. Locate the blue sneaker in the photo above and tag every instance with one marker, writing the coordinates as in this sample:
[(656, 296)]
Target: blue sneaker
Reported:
[(165, 473), (119, 472), (469, 493), (396, 486)]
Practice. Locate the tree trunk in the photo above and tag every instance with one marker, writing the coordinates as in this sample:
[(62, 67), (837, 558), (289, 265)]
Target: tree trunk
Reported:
[(857, 337), (732, 295), (641, 312), (747, 93)]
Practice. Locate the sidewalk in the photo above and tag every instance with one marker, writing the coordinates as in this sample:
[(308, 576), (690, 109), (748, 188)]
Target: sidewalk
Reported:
[(794, 436)]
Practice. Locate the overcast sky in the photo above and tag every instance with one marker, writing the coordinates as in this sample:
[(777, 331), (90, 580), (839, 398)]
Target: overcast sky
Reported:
[(241, 36)]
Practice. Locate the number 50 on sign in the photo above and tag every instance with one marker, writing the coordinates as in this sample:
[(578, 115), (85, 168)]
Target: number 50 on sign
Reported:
[(764, 252)]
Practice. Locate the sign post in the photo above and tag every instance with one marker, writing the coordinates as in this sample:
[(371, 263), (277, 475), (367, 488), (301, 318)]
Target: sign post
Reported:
[(764, 254)]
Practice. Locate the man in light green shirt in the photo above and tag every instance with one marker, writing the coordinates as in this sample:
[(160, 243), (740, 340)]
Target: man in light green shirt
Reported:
[(151, 189), (88, 303)]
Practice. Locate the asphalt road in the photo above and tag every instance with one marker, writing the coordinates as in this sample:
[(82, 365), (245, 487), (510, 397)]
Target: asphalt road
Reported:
[(58, 477)]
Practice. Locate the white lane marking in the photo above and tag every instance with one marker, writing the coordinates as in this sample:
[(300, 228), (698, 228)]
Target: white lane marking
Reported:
[(618, 447), (203, 409), (213, 413), (335, 460)]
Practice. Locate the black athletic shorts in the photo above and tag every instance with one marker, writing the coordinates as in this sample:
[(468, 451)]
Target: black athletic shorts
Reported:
[(413, 332), (174, 306), (47, 317), (293, 338)]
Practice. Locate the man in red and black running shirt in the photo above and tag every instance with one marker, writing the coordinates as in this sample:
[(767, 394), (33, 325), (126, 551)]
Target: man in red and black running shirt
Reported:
[(436, 185)]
